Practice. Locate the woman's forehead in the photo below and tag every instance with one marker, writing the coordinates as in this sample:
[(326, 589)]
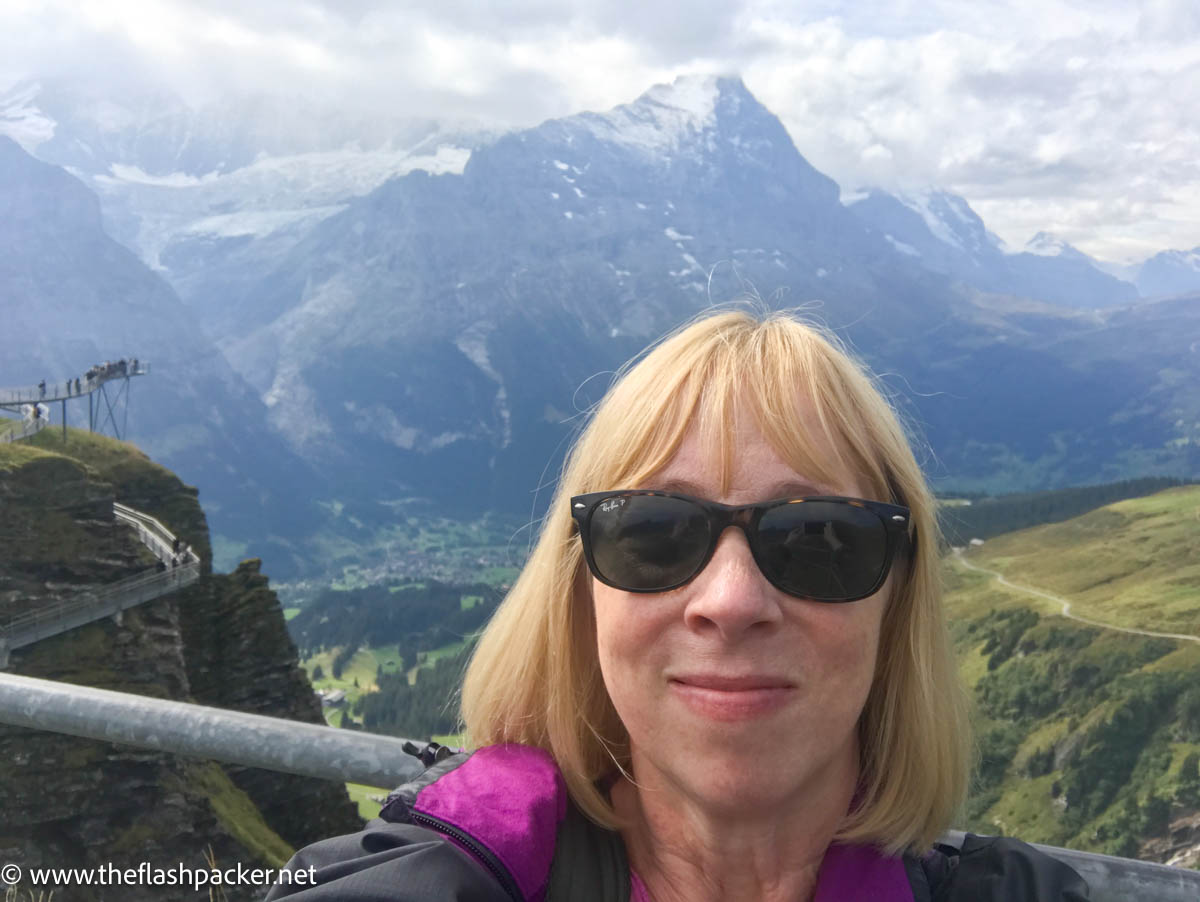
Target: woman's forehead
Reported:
[(737, 459)]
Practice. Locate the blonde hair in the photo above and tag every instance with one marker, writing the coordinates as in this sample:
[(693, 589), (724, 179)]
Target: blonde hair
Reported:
[(535, 676)]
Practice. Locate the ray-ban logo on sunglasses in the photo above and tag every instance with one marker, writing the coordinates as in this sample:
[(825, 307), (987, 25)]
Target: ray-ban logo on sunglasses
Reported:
[(612, 504)]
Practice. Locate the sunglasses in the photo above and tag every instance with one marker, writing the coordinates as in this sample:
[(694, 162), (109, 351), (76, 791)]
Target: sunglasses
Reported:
[(823, 548)]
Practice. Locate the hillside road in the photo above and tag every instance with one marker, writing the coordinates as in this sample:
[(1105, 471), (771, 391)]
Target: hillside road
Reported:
[(1066, 605)]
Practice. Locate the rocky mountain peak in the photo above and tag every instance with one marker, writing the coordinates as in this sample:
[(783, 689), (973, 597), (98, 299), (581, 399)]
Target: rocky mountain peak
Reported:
[(1047, 244)]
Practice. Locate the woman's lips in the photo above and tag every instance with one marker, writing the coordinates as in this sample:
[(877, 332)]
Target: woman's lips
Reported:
[(732, 698)]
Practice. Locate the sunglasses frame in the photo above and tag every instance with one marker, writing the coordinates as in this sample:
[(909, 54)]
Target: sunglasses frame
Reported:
[(894, 518)]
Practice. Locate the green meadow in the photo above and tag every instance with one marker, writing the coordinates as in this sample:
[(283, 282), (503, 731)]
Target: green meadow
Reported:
[(1088, 736)]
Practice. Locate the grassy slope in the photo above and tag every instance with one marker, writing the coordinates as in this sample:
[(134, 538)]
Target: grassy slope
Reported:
[(1134, 564)]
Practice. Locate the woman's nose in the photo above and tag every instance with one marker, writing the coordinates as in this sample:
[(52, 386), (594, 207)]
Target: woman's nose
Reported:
[(731, 596)]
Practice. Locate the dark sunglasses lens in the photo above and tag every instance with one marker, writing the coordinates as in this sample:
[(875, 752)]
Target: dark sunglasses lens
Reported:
[(822, 550), (647, 542)]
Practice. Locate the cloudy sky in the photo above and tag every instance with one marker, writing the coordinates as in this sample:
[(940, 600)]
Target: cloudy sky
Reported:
[(1073, 117)]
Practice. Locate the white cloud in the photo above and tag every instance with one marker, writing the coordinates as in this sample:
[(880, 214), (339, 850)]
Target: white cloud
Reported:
[(1067, 115)]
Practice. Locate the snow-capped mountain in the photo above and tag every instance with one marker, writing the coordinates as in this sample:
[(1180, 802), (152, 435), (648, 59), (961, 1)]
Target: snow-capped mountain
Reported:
[(437, 335), (449, 320), (1170, 273), (198, 191), (943, 233)]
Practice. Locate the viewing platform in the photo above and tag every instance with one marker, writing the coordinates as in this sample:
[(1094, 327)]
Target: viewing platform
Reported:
[(91, 384)]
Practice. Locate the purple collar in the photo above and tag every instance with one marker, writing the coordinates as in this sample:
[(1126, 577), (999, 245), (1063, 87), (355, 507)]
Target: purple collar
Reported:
[(861, 874)]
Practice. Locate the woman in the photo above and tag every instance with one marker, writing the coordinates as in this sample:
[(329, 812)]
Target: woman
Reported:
[(666, 708)]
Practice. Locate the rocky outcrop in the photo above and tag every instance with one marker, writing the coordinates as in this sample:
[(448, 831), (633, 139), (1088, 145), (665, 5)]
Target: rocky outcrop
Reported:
[(68, 802), (239, 655)]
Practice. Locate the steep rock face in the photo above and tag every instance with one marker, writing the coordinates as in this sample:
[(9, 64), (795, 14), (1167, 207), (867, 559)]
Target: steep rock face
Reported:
[(240, 656), (76, 803)]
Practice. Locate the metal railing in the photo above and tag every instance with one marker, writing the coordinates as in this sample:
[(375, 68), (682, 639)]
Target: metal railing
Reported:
[(181, 569), (292, 747), (64, 391), (252, 740), (24, 430), (155, 536), (32, 626)]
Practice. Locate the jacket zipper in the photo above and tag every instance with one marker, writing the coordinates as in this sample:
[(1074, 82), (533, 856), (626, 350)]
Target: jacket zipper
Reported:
[(499, 871)]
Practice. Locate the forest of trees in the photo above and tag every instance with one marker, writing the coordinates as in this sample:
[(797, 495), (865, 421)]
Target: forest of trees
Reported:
[(417, 616), (986, 517), (427, 708)]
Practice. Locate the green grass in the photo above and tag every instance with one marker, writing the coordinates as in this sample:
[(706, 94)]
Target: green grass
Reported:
[(431, 657), (17, 454), (363, 667), (289, 613), (236, 813), (1133, 564), (499, 576), (365, 797), (352, 578), (1026, 809)]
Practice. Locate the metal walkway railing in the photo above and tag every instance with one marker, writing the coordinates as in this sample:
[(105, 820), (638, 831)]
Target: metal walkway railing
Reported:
[(155, 536), (65, 391), (180, 569), (89, 384), (24, 430), (350, 756)]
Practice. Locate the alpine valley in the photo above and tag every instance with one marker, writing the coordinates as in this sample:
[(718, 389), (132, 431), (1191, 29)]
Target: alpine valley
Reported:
[(350, 318)]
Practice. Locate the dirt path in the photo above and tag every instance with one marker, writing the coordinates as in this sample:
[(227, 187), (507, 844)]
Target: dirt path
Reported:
[(1066, 605)]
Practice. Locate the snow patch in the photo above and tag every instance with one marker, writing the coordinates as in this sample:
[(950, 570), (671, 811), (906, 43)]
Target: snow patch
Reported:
[(676, 236), (136, 175), (640, 205), (568, 214), (561, 165), (902, 247), (258, 222), (579, 193), (1046, 244), (23, 121), (662, 119), (554, 194), (922, 203)]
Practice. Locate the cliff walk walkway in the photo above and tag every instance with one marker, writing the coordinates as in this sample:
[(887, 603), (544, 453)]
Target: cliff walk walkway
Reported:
[(91, 384), (177, 567), (24, 429)]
